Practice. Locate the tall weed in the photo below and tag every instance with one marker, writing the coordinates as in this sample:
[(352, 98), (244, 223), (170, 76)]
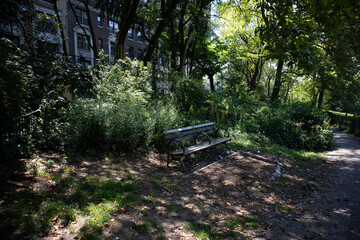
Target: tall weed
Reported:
[(115, 119)]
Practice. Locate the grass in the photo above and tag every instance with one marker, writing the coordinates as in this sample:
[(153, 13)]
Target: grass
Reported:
[(258, 142), (286, 209), (146, 225), (174, 208), (262, 189), (343, 114), (232, 225), (241, 223), (33, 212)]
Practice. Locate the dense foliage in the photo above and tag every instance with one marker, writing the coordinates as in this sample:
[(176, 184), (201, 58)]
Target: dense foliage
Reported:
[(282, 51), (121, 117)]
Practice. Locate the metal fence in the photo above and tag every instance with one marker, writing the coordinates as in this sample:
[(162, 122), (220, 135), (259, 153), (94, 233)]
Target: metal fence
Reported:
[(349, 123), (10, 130)]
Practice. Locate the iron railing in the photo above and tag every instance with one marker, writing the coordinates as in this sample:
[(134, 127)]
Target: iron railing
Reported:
[(21, 126), (349, 123)]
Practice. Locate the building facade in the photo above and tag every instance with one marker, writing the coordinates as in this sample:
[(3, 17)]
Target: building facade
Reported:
[(105, 33), (76, 28)]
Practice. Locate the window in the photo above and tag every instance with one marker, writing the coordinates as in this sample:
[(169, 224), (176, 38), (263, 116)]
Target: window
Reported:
[(99, 19), (139, 36), (111, 26), (112, 49), (82, 42), (114, 26), (81, 16), (131, 52), (100, 44), (140, 54), (131, 33)]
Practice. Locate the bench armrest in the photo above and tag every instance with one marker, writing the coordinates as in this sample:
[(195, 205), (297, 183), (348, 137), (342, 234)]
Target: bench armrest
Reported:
[(201, 134), (217, 130), (175, 140)]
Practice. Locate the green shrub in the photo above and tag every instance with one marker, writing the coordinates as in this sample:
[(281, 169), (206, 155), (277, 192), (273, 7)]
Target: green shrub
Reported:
[(163, 115), (14, 77), (189, 93), (86, 128), (298, 126), (222, 109), (116, 118)]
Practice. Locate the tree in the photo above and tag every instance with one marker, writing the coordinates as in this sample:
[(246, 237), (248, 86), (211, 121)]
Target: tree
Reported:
[(54, 2), (19, 16), (245, 54), (123, 11), (289, 35), (93, 42), (13, 79), (207, 59), (166, 15), (193, 22)]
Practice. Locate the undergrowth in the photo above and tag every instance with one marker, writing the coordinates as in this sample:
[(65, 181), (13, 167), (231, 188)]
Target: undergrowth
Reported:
[(32, 212)]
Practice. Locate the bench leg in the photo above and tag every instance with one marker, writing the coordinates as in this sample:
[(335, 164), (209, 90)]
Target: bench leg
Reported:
[(169, 159), (227, 146), (208, 155), (186, 164)]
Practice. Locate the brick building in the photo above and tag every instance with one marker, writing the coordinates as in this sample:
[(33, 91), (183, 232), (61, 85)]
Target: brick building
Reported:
[(77, 44), (105, 32)]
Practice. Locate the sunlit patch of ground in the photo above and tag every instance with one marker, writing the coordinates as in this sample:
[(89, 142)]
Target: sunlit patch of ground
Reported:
[(137, 197)]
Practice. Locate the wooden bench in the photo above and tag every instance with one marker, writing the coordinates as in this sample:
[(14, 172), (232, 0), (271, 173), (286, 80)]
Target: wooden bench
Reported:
[(183, 142)]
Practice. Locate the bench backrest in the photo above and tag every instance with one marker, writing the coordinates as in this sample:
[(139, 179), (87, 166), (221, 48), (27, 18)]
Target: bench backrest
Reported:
[(186, 133)]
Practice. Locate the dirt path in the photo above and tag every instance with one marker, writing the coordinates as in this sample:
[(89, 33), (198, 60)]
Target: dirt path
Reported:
[(237, 198), (334, 213)]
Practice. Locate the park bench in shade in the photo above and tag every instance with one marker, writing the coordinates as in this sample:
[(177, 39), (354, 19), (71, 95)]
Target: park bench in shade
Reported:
[(182, 142)]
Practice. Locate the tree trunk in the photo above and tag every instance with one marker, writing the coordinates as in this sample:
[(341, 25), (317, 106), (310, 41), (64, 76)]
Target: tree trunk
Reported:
[(185, 50), (120, 45), (173, 46), (257, 71), (211, 79), (321, 95), (93, 37), (61, 28), (278, 82), (127, 17), (165, 18), (287, 91)]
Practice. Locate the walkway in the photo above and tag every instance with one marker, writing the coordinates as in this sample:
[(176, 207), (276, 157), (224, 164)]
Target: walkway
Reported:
[(334, 212)]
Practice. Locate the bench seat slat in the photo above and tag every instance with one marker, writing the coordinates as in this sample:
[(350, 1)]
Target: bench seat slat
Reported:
[(201, 146), (191, 132), (188, 128), (193, 135)]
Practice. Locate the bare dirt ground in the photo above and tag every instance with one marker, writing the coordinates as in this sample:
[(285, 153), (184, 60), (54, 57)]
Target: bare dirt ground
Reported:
[(334, 212), (245, 196)]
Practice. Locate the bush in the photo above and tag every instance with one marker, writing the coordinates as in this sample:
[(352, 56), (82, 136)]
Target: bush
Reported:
[(86, 128), (222, 109), (189, 93), (298, 126), (117, 119), (163, 115)]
